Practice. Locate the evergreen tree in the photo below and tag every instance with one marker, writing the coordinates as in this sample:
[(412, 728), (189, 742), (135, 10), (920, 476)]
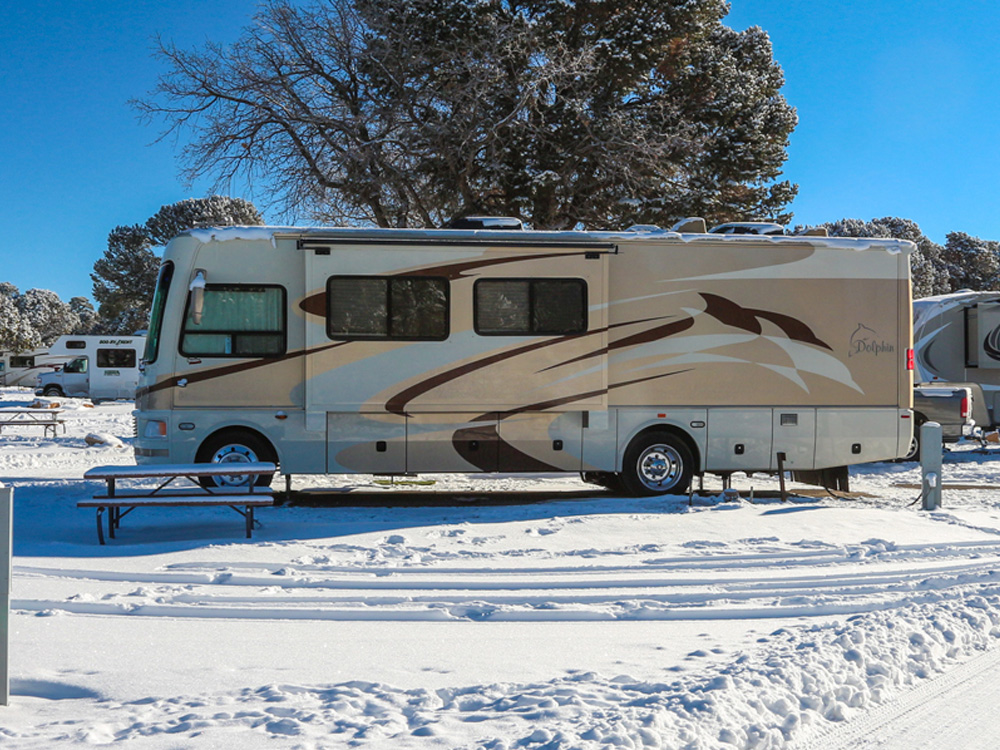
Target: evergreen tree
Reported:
[(927, 267), (566, 113), (89, 319), (46, 314), (972, 263), (16, 334)]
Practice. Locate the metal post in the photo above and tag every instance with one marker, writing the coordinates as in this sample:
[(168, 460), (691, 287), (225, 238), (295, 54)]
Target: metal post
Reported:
[(930, 464), (6, 547)]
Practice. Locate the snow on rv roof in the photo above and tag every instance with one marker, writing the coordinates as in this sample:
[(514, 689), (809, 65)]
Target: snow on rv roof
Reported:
[(272, 233)]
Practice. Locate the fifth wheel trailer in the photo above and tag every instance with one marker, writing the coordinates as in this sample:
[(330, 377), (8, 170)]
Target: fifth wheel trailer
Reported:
[(644, 357), (957, 343)]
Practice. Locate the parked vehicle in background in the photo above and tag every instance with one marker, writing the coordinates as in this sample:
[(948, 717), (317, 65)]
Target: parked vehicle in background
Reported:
[(956, 342), (23, 368), (635, 357), (97, 367), (949, 406)]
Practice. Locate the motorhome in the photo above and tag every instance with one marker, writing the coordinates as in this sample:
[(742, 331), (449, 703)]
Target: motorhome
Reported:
[(97, 367), (22, 369), (637, 358), (957, 342)]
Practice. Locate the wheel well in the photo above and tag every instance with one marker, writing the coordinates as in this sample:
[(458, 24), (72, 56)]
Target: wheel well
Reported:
[(676, 432), (233, 431)]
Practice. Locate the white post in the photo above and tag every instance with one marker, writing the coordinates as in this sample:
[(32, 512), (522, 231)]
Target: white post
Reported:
[(931, 451), (6, 546)]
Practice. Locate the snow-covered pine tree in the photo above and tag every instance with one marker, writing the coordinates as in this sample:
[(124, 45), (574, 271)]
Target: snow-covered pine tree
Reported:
[(929, 271), (971, 262), (46, 314), (213, 211), (16, 334)]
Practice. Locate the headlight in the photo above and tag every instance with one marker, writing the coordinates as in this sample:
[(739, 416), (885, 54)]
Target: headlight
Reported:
[(155, 429)]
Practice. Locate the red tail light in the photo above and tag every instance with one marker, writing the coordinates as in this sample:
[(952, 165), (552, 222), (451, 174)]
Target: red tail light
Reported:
[(965, 407), (909, 359)]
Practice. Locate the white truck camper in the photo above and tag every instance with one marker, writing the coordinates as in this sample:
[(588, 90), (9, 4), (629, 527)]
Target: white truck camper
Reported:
[(97, 367), (637, 358), (22, 369)]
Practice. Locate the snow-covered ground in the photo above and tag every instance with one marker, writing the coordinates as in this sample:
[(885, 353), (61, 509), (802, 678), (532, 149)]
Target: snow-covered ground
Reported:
[(571, 620)]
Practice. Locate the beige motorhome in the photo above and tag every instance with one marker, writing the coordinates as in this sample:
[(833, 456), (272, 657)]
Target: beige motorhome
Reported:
[(645, 357)]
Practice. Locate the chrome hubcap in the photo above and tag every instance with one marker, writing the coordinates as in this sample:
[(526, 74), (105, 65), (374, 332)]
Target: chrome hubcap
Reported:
[(234, 453), (660, 467)]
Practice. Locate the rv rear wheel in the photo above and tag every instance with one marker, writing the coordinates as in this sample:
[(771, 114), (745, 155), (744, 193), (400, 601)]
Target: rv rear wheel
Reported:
[(657, 463), (235, 448)]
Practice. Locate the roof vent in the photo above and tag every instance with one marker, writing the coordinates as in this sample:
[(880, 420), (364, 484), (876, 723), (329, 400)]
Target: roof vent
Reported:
[(748, 227), (644, 228), (814, 232), (692, 225), (485, 222)]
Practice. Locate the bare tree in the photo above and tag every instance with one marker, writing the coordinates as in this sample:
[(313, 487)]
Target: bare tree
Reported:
[(410, 112)]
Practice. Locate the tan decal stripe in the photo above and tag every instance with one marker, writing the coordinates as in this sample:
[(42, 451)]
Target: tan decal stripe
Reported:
[(223, 370)]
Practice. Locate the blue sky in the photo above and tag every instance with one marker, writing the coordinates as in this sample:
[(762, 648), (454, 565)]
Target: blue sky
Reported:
[(897, 101)]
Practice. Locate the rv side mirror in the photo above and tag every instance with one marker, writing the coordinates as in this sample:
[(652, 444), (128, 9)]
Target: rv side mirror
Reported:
[(197, 289)]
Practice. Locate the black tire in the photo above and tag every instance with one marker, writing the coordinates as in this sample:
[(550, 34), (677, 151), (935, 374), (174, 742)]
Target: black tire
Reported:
[(606, 479), (235, 447), (52, 390), (913, 454), (657, 463)]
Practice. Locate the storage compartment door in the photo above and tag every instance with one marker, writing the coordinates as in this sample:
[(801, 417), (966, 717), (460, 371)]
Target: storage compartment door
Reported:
[(794, 435), (541, 442), (451, 442), (739, 440), (366, 443)]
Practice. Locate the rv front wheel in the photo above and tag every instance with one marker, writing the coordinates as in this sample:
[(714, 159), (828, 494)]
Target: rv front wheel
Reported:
[(657, 463), (52, 390), (235, 448)]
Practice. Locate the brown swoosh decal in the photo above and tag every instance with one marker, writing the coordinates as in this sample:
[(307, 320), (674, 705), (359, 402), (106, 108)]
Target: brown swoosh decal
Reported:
[(211, 373), (642, 337), (397, 404), (748, 319), (316, 304), (509, 458)]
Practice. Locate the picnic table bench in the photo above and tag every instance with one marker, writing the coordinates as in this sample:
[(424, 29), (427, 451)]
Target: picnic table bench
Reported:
[(21, 416), (119, 503)]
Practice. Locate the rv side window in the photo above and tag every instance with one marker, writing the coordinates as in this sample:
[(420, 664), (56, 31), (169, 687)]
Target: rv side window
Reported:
[(513, 307), (971, 337), (238, 320), (76, 344), (116, 357), (413, 308), (22, 361)]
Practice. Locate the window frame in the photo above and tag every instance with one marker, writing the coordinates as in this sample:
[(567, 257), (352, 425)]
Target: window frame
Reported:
[(224, 286), (531, 281), (388, 279), (104, 351)]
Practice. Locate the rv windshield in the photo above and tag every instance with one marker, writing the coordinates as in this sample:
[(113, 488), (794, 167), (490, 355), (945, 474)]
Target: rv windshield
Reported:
[(156, 314)]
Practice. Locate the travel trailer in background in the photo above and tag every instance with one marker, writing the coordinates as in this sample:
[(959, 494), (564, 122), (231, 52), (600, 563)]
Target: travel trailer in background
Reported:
[(23, 368), (957, 342), (640, 358), (97, 367)]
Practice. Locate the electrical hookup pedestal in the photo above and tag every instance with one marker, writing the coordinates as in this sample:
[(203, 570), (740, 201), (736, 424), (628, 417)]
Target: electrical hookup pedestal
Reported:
[(931, 454)]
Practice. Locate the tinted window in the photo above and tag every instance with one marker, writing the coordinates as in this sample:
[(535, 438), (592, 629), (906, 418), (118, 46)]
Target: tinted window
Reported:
[(116, 357), (237, 321), (22, 361), (387, 307), (530, 306), (76, 344)]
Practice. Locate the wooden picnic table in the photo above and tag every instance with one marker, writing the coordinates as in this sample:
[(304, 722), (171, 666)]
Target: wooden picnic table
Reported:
[(120, 502), (22, 416)]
